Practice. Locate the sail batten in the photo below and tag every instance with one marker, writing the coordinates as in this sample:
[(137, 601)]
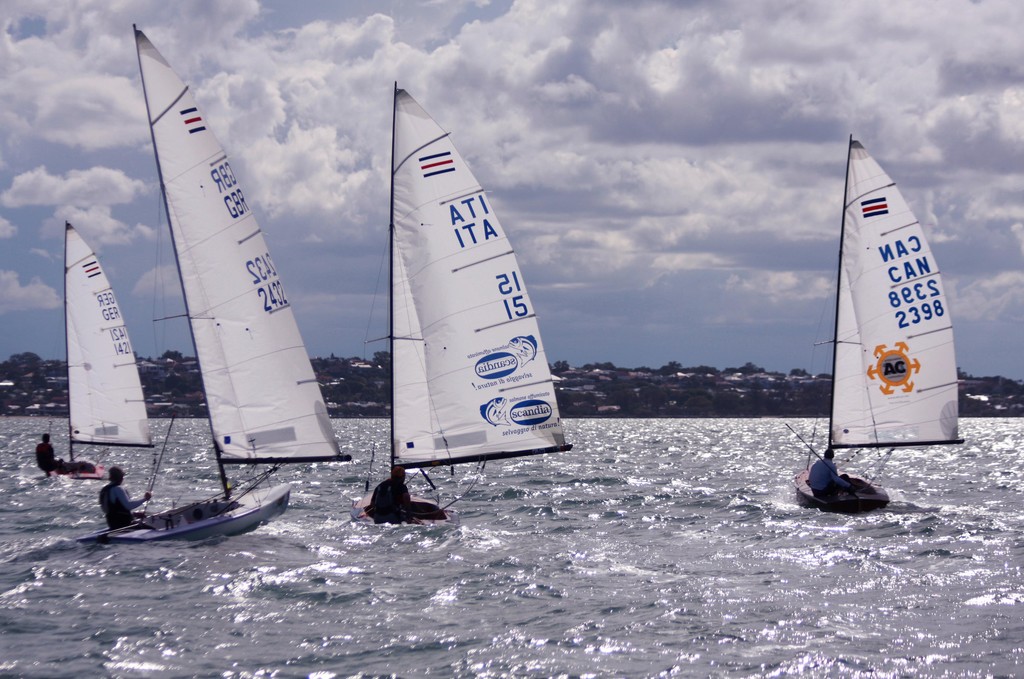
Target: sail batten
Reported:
[(473, 389), (105, 400), (894, 377), (251, 355)]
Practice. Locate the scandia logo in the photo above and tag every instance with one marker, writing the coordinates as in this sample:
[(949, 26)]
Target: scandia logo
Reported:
[(494, 366), (530, 412), (525, 413), (519, 351)]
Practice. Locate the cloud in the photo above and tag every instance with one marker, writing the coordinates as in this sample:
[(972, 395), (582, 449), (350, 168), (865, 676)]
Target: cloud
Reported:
[(998, 297), (7, 230), (158, 283), (17, 297), (680, 160), (95, 186), (97, 225), (1018, 231)]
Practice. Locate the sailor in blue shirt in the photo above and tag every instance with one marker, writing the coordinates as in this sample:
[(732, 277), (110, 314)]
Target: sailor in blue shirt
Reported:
[(115, 502), (824, 478)]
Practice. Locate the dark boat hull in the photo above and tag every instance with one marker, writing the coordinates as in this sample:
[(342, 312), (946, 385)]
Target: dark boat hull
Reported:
[(425, 511), (865, 498)]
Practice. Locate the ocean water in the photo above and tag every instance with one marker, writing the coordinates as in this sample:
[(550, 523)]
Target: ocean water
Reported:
[(655, 548)]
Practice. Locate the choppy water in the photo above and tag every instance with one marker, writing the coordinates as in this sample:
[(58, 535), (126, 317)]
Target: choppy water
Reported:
[(654, 548)]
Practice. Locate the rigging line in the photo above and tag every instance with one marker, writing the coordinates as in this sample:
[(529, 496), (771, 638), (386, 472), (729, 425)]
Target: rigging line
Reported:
[(478, 189), (803, 441), (528, 384), (468, 491), (416, 150), (511, 320), (898, 228), (369, 468), (867, 193), (937, 386), (485, 260), (158, 459), (930, 332), (373, 299), (169, 106), (916, 279)]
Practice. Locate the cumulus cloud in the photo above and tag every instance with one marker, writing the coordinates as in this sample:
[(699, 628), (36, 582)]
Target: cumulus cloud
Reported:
[(7, 230), (95, 186), (17, 297), (97, 225), (996, 297), (1018, 232), (161, 283), (635, 152)]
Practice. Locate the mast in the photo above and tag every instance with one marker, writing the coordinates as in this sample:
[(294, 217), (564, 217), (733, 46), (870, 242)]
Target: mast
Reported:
[(391, 271), (167, 213), (839, 282), (71, 438)]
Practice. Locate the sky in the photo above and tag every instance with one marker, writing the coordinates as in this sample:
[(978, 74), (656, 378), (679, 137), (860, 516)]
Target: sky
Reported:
[(670, 173)]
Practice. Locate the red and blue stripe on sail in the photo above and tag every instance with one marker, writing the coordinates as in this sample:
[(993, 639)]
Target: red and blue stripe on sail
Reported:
[(439, 163), (193, 121), (874, 207)]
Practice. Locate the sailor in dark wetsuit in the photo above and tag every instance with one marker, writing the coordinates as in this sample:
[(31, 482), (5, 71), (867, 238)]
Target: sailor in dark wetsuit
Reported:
[(45, 458), (391, 502), (825, 479), (115, 502)]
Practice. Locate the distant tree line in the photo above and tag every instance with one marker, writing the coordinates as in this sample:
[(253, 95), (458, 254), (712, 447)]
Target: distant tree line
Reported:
[(357, 387)]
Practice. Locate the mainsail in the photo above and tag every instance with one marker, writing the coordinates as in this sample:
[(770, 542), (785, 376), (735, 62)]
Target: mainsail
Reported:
[(264, 402), (470, 374), (895, 378), (105, 397)]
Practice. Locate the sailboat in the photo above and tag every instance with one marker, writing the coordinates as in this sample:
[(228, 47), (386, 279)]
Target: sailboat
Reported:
[(262, 397), (894, 378), (470, 377), (105, 401)]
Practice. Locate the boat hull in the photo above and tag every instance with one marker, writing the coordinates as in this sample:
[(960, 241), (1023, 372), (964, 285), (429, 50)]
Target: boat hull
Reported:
[(200, 520), (425, 511), (82, 470), (865, 498)]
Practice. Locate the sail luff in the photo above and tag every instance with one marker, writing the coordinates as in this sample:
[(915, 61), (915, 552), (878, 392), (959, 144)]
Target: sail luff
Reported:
[(67, 349), (391, 272), (262, 396), (894, 376), (839, 285)]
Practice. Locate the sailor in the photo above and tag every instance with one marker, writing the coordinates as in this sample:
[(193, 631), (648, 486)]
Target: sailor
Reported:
[(116, 504), (825, 479), (45, 458), (391, 502)]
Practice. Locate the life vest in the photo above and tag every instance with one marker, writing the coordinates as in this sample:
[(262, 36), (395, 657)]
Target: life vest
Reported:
[(384, 499), (385, 505), (118, 516)]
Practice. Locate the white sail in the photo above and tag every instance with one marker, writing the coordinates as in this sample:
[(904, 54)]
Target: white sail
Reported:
[(104, 392), (263, 398), (895, 380), (471, 377)]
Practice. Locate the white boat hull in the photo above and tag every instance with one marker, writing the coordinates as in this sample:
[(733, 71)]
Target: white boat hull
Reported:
[(426, 508), (209, 518)]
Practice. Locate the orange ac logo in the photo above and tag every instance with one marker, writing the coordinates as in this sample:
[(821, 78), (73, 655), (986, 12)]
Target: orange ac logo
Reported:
[(894, 368)]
